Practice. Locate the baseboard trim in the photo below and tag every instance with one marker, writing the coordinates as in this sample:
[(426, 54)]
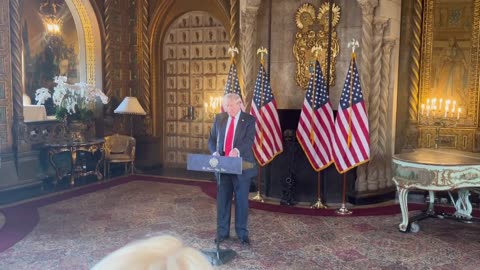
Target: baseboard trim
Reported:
[(372, 197)]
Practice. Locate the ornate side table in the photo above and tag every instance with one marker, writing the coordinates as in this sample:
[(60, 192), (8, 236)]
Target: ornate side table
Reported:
[(91, 146), (436, 170)]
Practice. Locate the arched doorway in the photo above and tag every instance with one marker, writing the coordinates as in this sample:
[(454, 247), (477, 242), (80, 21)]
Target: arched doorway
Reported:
[(196, 63)]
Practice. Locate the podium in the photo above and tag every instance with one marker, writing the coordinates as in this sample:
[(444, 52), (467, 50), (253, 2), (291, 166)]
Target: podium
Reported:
[(216, 164)]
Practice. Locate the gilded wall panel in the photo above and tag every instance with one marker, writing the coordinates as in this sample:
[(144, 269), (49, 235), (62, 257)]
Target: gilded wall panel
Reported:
[(210, 51), (196, 36), (197, 83), (450, 73), (222, 67), (196, 51)]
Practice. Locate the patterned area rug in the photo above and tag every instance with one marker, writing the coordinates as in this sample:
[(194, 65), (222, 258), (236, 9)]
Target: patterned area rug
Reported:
[(76, 232)]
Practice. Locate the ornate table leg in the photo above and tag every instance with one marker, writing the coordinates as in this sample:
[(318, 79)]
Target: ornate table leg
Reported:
[(74, 166), (462, 205), (58, 175), (403, 200), (431, 202), (99, 163)]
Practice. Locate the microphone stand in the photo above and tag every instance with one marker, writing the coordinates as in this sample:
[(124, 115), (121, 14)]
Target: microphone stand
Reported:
[(219, 256)]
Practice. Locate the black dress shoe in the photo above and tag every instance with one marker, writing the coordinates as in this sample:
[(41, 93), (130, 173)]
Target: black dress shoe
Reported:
[(245, 241), (221, 239)]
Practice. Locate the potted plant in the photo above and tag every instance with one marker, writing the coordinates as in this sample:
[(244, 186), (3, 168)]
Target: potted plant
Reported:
[(74, 103)]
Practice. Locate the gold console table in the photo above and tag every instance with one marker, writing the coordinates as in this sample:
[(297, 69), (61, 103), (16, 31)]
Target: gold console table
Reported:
[(436, 170), (92, 146)]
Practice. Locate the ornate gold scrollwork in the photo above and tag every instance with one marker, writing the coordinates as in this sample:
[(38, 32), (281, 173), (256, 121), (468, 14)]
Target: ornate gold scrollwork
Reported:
[(307, 37)]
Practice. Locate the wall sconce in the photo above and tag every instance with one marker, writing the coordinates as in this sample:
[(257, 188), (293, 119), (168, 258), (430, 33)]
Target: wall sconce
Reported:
[(212, 107), (190, 113)]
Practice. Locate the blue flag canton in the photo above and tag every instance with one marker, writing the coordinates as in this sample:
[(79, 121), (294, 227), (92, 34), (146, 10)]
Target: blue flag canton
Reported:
[(232, 85), (357, 95), (259, 93), (318, 94)]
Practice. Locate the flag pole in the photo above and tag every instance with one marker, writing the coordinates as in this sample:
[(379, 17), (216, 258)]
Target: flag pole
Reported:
[(317, 205), (259, 198), (343, 209)]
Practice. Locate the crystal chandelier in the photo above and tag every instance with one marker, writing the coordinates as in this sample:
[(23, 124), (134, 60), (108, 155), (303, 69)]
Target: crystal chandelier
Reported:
[(49, 12)]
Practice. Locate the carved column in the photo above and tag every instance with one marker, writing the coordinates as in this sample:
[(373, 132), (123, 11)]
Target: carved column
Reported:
[(385, 169), (365, 66), (233, 22), (247, 43), (118, 32), (374, 113), (108, 51), (414, 75), (17, 86), (144, 62)]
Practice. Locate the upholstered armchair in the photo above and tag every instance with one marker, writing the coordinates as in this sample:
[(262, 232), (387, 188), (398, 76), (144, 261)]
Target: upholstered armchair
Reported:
[(119, 149)]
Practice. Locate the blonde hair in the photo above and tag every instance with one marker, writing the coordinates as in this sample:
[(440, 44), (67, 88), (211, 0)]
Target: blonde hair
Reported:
[(156, 253), (231, 97)]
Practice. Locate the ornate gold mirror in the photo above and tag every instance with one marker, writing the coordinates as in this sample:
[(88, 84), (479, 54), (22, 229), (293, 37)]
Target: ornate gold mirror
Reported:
[(50, 48)]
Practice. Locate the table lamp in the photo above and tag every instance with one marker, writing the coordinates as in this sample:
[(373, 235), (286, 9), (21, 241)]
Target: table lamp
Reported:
[(130, 105)]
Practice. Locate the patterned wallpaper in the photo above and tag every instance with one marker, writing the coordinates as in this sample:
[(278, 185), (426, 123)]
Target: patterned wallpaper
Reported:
[(197, 63)]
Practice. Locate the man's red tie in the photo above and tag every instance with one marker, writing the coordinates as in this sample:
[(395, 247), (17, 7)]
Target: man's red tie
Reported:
[(229, 139)]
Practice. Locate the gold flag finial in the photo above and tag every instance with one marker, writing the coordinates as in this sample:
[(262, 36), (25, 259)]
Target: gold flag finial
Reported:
[(262, 51), (232, 51), (354, 45)]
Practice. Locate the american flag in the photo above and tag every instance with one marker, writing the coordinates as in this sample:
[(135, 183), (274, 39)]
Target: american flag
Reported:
[(351, 145), (232, 85), (315, 128), (268, 138)]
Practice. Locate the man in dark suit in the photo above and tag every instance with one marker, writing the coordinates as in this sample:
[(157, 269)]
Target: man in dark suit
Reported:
[(239, 126)]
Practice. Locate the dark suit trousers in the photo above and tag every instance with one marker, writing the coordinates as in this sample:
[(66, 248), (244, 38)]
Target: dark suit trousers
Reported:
[(229, 184)]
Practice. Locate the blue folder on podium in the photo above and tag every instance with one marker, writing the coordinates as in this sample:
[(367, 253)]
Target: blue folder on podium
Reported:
[(215, 164)]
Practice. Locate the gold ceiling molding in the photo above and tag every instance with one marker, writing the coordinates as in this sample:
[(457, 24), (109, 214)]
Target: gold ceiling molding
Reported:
[(89, 40), (313, 31)]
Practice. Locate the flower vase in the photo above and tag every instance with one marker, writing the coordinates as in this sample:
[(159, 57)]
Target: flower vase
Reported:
[(77, 130)]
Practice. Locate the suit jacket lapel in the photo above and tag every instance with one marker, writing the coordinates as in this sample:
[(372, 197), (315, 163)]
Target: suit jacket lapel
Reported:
[(223, 131), (239, 128)]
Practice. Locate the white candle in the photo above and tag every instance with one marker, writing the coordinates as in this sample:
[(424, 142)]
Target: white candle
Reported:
[(428, 110), (440, 106), (423, 107), (459, 111), (434, 101)]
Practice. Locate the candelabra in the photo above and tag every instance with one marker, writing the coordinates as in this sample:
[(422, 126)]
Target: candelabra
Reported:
[(441, 116), (212, 107)]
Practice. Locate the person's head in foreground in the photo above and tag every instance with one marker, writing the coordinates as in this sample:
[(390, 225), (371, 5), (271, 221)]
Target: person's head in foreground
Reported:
[(156, 253)]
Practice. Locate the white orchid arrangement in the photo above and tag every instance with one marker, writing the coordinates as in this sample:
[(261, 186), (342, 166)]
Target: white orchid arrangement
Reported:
[(75, 101)]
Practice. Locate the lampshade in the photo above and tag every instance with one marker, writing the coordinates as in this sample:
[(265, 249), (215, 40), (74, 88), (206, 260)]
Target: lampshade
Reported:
[(130, 105)]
